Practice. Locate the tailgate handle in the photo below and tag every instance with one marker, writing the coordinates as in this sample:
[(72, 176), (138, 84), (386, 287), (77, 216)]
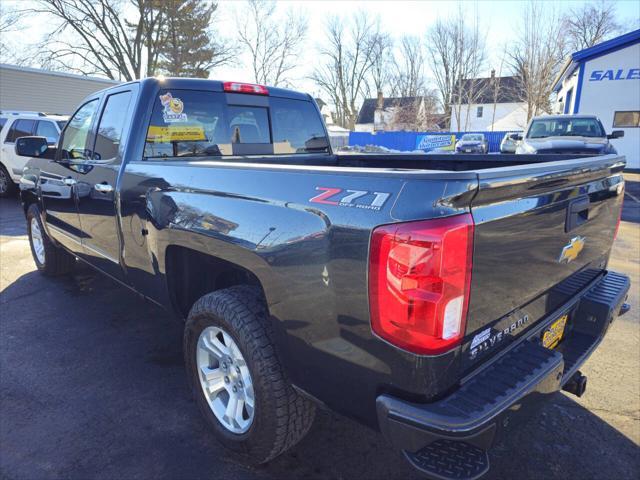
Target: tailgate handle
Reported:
[(577, 213)]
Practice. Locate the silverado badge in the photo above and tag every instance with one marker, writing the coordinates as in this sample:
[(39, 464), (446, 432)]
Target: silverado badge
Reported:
[(572, 250)]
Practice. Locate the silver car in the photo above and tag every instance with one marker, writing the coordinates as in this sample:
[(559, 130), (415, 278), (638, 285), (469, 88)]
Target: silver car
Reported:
[(577, 134), (509, 142)]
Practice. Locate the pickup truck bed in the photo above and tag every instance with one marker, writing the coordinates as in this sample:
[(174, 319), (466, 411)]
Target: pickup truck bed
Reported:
[(350, 258)]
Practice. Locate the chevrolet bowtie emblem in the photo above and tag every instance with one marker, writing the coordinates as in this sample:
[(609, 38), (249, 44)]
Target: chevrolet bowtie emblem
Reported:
[(572, 250)]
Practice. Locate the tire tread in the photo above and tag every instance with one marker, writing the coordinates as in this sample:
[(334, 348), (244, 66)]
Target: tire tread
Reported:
[(245, 309)]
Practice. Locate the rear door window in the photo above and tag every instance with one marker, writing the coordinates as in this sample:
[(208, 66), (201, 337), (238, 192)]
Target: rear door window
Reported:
[(19, 129), (190, 123), (111, 126)]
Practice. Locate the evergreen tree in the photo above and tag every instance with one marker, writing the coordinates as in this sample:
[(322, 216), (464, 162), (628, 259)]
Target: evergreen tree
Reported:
[(188, 49)]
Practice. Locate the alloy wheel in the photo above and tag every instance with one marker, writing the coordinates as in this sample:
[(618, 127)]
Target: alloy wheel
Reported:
[(37, 241), (225, 379)]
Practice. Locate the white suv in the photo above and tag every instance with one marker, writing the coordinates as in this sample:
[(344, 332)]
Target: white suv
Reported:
[(14, 125)]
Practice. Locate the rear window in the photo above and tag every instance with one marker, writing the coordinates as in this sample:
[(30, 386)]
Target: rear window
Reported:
[(190, 123)]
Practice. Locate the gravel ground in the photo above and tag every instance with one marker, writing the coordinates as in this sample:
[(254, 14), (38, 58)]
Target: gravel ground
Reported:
[(92, 386)]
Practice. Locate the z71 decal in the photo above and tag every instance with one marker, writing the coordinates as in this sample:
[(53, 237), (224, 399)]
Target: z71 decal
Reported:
[(347, 198)]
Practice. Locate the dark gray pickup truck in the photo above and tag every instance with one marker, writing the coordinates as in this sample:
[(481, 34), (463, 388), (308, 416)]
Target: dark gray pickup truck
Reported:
[(435, 298)]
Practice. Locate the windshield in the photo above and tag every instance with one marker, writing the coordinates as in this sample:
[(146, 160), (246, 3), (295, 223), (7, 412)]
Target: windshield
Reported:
[(566, 127), (191, 123), (472, 137)]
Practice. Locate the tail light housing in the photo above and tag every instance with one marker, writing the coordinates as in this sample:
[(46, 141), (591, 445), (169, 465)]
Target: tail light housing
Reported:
[(419, 281), (237, 87)]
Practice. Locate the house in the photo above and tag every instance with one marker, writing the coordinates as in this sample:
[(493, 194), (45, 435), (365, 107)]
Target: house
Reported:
[(396, 113), (604, 80), (326, 111), (338, 136), (32, 89), (488, 104)]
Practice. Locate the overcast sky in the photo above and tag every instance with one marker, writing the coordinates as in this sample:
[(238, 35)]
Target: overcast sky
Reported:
[(500, 19)]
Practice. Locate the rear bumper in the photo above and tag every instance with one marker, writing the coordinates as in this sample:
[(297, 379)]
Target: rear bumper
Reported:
[(449, 438)]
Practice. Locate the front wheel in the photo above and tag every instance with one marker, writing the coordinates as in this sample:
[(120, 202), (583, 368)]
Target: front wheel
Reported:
[(7, 187), (49, 259), (237, 377)]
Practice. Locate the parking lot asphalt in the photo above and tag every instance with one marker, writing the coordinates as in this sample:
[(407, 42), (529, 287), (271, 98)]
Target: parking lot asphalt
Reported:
[(92, 386)]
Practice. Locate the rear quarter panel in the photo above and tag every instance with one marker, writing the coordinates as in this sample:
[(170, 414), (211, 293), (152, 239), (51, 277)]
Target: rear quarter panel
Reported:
[(311, 259)]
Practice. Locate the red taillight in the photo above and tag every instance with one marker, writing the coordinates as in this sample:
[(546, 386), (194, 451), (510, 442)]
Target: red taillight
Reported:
[(419, 277), (236, 87)]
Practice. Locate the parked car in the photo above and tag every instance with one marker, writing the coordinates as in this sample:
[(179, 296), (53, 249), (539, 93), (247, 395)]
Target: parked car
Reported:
[(510, 142), (14, 125), (570, 134), (472, 143), (409, 292)]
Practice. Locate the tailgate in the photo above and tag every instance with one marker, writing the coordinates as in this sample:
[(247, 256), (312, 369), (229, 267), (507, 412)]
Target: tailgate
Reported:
[(542, 234)]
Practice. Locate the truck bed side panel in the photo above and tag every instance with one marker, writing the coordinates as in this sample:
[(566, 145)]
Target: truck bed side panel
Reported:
[(310, 256)]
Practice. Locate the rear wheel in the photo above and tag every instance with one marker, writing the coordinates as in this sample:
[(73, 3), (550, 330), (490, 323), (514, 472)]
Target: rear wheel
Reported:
[(7, 187), (237, 378), (49, 259)]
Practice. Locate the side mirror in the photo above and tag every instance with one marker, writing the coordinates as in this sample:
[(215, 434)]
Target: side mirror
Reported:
[(517, 136), (616, 134), (31, 146)]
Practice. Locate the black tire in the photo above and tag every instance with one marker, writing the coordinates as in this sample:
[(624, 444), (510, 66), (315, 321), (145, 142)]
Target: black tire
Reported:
[(282, 416), (7, 187), (56, 260)]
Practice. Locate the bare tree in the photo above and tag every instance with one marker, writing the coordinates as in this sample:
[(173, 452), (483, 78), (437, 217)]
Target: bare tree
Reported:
[(102, 41), (380, 74), (537, 55), (273, 44), (416, 113), (347, 57), (9, 21), (117, 39), (408, 78), (497, 87), (590, 24), (456, 51)]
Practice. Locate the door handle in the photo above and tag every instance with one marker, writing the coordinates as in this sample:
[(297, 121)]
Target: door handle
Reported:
[(103, 187), (70, 181), (577, 213)]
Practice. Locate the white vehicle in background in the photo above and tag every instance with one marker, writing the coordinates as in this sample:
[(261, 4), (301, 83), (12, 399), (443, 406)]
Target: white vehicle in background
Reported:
[(14, 125)]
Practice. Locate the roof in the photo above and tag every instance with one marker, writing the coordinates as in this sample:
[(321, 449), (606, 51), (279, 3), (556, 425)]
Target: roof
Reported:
[(598, 50), (484, 90), (57, 74), (369, 105), (562, 116)]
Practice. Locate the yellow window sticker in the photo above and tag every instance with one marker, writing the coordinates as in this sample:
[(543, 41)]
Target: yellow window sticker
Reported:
[(175, 133)]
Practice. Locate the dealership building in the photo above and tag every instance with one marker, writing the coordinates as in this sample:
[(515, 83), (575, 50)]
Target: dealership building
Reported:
[(604, 80)]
